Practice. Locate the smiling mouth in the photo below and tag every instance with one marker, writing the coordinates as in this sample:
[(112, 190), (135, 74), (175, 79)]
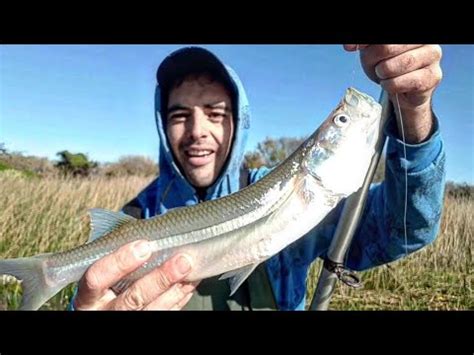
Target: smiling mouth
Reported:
[(195, 153), (198, 157)]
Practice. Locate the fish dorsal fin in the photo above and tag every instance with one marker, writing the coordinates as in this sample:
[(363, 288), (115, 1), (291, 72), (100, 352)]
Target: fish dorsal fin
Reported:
[(105, 221), (238, 276)]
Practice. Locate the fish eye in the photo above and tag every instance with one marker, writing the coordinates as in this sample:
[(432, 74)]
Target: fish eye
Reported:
[(341, 120)]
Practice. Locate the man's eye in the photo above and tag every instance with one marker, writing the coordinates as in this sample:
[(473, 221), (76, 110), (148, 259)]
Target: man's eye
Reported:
[(217, 115), (177, 117)]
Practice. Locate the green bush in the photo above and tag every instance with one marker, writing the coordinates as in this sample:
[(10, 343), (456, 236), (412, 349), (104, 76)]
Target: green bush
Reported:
[(4, 166), (75, 164)]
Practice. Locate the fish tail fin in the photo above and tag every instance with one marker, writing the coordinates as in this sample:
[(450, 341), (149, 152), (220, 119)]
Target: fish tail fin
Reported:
[(36, 290)]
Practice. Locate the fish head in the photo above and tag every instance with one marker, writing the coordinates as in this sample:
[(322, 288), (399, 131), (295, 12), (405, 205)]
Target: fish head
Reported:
[(338, 154)]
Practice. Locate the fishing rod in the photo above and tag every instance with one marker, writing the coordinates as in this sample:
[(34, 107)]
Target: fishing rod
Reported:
[(333, 267)]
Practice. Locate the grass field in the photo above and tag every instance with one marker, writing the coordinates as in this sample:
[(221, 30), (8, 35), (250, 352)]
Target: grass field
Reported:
[(48, 215)]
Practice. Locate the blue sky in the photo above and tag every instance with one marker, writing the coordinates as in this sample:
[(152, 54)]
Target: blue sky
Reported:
[(99, 99)]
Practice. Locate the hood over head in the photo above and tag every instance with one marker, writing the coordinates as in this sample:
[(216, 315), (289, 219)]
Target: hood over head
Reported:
[(174, 190)]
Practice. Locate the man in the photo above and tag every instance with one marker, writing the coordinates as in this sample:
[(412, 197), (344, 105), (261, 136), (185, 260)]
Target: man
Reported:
[(202, 116)]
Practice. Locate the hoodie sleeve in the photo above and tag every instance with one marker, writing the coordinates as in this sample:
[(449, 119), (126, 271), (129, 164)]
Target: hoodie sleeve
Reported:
[(380, 237)]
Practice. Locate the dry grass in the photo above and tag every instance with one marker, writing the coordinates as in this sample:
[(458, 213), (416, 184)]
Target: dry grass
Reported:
[(438, 277), (48, 215)]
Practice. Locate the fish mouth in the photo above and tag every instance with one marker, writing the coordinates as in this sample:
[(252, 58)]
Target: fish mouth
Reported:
[(361, 106), (353, 97), (365, 109)]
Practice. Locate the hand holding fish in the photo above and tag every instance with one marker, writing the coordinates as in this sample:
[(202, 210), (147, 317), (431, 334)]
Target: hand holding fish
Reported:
[(411, 71), (159, 290)]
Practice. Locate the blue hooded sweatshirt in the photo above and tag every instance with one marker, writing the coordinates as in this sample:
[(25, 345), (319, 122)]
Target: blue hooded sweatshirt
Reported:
[(379, 238)]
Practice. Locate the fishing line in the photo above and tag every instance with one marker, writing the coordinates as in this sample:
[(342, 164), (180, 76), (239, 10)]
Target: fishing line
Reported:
[(355, 65), (406, 175)]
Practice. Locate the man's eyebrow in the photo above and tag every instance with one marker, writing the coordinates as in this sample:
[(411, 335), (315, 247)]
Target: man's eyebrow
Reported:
[(218, 105), (177, 107)]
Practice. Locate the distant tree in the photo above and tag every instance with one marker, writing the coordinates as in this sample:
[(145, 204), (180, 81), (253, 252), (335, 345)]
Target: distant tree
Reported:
[(131, 165), (75, 164), (30, 165), (272, 151), (253, 160)]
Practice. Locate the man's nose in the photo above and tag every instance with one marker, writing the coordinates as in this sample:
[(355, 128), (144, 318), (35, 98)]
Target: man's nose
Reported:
[(198, 124)]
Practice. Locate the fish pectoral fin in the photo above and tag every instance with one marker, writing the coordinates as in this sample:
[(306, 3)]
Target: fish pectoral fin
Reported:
[(238, 276), (104, 221)]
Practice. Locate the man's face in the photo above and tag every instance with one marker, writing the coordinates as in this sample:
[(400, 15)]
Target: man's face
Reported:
[(200, 127)]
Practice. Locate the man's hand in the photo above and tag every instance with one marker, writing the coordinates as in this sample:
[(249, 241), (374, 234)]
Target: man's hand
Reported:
[(411, 71), (161, 289)]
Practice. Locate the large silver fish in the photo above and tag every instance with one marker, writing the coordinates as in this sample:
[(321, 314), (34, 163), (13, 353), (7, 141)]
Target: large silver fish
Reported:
[(233, 234)]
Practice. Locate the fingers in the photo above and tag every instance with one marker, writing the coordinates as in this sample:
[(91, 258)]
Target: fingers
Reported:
[(354, 47), (173, 299), (178, 306), (160, 287), (107, 271), (371, 56), (407, 62), (420, 81), (376, 53)]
